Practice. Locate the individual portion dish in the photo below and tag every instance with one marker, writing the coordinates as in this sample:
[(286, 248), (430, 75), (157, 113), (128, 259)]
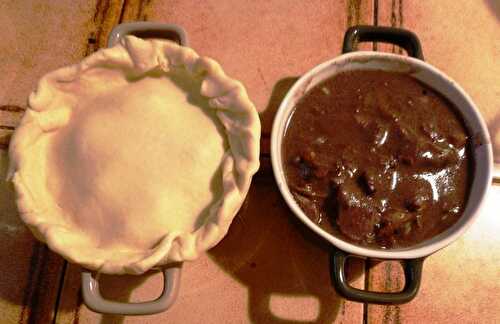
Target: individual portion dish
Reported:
[(378, 158), (138, 156)]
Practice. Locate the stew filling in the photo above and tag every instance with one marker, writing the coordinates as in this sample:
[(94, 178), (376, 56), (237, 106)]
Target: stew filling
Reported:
[(377, 158)]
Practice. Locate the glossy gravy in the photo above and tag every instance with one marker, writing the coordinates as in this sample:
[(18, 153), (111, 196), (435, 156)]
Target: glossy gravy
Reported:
[(378, 158)]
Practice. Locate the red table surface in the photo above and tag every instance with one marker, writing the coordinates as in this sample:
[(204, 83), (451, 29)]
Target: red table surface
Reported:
[(269, 268)]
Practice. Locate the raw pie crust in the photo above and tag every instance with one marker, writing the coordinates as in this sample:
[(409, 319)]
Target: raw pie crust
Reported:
[(138, 156)]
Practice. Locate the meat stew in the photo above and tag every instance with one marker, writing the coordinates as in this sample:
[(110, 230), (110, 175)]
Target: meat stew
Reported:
[(378, 159)]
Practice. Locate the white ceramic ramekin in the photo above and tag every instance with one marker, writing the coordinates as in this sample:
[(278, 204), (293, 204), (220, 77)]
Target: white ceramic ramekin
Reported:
[(434, 78)]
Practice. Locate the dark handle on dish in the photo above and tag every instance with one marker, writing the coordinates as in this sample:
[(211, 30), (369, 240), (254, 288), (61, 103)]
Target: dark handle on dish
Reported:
[(397, 36), (146, 29), (413, 275), (94, 300)]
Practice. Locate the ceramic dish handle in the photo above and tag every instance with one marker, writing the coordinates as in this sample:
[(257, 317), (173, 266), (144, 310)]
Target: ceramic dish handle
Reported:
[(413, 274), (94, 300), (397, 36), (146, 29)]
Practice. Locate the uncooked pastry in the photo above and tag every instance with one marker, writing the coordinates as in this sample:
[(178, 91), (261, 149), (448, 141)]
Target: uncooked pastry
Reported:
[(138, 156)]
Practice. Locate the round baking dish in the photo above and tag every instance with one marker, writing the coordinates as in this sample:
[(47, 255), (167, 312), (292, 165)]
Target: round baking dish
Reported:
[(414, 65), (135, 159)]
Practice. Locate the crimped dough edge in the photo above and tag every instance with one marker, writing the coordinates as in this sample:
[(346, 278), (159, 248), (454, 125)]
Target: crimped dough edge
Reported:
[(233, 108)]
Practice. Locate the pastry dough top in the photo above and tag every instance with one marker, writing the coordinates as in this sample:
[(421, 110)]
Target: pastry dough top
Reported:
[(138, 156)]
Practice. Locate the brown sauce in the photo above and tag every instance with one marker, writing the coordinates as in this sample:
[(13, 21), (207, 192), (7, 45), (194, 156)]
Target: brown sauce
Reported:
[(378, 159)]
